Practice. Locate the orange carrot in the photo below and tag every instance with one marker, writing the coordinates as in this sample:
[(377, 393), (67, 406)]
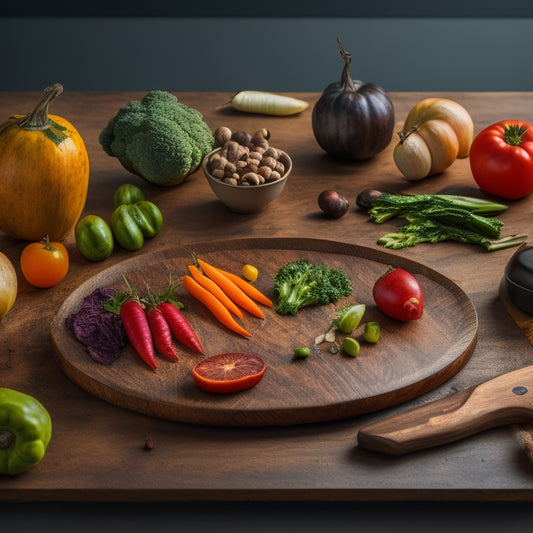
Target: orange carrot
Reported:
[(233, 292), (248, 288), (212, 287), (214, 305)]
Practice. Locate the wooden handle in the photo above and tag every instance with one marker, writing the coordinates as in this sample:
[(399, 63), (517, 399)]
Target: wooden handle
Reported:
[(506, 399)]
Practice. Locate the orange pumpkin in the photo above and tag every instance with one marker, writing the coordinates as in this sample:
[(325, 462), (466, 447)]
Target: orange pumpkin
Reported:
[(44, 173)]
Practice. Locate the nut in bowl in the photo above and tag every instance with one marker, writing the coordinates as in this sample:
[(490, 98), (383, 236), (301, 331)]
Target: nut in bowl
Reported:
[(245, 172)]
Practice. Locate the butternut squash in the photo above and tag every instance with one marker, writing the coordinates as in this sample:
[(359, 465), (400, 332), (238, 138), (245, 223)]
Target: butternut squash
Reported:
[(44, 173)]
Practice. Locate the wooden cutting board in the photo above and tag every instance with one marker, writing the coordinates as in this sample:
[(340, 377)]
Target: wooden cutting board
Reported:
[(409, 359), (503, 400)]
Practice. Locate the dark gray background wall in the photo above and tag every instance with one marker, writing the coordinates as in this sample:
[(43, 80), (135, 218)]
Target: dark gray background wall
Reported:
[(277, 46)]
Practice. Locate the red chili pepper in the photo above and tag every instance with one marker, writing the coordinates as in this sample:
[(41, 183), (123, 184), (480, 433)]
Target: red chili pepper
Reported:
[(162, 333), (180, 326), (138, 331)]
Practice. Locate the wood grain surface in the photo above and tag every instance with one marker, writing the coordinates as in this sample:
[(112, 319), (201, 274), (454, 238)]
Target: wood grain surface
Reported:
[(410, 358), (97, 449)]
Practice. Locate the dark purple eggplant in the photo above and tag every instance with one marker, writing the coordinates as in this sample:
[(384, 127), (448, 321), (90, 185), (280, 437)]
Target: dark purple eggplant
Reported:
[(353, 120)]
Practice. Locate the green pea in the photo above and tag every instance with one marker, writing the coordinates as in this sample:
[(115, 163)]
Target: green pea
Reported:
[(371, 332), (302, 352), (350, 346)]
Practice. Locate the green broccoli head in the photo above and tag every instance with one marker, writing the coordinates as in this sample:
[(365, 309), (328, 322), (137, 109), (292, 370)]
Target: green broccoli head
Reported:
[(158, 138), (302, 283)]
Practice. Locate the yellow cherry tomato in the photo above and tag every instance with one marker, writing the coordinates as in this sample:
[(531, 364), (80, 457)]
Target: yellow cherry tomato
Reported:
[(249, 272), (44, 264)]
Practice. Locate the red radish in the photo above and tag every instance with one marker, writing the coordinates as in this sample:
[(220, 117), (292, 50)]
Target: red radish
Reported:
[(398, 294), (138, 330), (180, 326), (162, 333)]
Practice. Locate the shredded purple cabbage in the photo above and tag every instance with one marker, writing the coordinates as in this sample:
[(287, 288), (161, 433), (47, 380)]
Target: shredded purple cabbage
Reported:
[(99, 330)]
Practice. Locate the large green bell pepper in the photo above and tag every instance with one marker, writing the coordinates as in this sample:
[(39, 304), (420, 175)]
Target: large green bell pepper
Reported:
[(25, 431), (132, 223)]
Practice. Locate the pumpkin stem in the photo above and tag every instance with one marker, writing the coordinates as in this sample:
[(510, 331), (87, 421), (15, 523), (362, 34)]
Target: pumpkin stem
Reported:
[(404, 134), (346, 78), (38, 118)]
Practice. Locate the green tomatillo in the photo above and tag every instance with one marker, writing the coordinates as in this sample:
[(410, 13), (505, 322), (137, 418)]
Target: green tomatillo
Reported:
[(131, 224), (25, 431), (94, 238), (127, 194)]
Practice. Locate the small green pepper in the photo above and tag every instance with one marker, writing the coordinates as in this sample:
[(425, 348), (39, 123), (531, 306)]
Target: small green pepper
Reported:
[(94, 238), (371, 332), (25, 431), (127, 194), (132, 223)]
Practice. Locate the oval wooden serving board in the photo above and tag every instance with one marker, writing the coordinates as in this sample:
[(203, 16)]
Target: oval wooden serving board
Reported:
[(409, 359)]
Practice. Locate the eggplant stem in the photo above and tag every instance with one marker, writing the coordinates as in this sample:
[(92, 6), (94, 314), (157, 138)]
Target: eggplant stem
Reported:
[(346, 77)]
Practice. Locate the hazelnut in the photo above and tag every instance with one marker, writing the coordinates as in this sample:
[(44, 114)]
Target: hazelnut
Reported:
[(222, 136)]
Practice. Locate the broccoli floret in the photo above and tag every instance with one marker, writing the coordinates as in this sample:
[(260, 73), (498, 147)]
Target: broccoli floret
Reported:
[(158, 138), (302, 283)]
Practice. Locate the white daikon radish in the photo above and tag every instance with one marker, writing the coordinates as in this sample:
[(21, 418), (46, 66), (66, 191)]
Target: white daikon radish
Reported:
[(266, 103)]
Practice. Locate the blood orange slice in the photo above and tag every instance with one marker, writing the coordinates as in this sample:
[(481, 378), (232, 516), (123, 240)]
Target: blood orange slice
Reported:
[(229, 372)]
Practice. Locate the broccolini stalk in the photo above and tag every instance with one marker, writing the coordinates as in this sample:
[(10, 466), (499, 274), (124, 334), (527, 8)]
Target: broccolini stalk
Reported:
[(383, 206), (432, 231), (438, 217), (489, 226)]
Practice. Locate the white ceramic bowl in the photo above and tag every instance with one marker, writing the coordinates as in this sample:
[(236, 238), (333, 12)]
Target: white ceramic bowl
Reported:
[(245, 199)]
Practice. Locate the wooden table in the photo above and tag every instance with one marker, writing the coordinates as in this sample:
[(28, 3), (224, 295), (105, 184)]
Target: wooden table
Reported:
[(97, 449)]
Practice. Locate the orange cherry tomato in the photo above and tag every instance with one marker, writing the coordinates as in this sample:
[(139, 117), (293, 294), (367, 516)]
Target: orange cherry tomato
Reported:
[(44, 264)]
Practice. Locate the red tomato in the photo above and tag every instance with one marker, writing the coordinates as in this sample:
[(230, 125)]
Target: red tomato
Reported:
[(229, 372), (44, 263), (398, 294), (501, 159)]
